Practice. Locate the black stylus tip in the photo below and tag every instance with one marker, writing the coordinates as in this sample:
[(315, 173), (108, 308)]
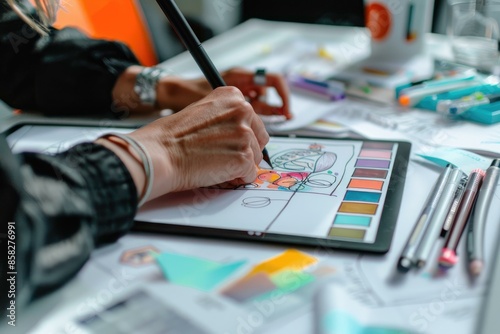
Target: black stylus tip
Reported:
[(266, 157)]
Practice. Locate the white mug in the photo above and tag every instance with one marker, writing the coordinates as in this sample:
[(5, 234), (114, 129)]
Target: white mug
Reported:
[(398, 27)]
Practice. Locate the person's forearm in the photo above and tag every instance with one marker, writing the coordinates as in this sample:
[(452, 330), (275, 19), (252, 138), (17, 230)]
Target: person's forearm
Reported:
[(172, 92)]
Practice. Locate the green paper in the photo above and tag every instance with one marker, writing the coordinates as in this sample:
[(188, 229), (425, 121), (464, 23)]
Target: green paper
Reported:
[(287, 281), (195, 272)]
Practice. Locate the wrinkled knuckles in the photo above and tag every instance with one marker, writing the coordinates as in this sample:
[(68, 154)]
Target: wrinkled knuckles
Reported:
[(229, 91)]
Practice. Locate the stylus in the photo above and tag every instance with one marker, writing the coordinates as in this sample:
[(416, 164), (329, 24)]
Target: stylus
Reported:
[(448, 256), (436, 224), (191, 42), (475, 235), (407, 259)]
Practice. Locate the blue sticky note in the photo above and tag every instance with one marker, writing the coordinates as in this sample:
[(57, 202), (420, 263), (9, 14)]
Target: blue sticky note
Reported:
[(339, 322), (465, 160), (195, 272)]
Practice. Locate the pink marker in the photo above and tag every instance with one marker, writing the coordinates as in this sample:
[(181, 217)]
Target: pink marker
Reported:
[(448, 256)]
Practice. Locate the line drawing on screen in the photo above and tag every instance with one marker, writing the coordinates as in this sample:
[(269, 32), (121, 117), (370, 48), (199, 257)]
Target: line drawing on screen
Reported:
[(308, 183)]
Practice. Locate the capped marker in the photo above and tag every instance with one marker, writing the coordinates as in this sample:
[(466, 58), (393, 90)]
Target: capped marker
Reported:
[(404, 100), (449, 256)]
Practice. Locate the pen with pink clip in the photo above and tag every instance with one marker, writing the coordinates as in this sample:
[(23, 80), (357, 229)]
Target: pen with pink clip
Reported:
[(475, 236), (448, 256)]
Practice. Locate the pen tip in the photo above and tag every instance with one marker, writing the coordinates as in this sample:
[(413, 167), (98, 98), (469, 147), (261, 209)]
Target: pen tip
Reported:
[(476, 267), (404, 265), (265, 157)]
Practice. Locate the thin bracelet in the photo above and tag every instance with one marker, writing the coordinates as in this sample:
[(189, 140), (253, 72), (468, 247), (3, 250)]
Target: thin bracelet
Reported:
[(145, 158)]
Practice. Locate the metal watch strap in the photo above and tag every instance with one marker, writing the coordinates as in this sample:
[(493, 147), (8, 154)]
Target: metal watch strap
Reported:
[(145, 84)]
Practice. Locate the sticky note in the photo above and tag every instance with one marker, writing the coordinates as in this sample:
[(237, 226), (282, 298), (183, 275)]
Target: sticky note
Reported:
[(249, 287), (465, 160), (195, 272), (338, 321), (289, 280), (288, 260)]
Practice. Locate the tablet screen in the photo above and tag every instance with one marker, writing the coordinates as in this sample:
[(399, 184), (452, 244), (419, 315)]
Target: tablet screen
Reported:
[(345, 193)]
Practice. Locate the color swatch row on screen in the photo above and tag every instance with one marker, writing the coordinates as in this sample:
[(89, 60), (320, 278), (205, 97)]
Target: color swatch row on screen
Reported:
[(358, 210)]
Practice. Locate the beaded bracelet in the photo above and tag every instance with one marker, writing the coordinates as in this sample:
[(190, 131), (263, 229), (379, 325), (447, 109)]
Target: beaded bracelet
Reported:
[(144, 157)]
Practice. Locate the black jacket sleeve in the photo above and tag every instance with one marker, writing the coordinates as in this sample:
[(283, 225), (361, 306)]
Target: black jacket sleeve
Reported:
[(63, 73), (54, 210)]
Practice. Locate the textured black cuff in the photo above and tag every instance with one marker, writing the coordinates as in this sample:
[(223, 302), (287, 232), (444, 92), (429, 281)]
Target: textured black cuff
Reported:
[(110, 185)]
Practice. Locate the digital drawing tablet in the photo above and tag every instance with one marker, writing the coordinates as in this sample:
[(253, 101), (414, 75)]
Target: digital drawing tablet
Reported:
[(334, 193)]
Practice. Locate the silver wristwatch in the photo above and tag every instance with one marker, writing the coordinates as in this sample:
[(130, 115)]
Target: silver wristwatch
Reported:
[(145, 84)]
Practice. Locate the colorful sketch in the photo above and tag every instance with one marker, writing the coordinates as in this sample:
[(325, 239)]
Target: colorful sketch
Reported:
[(303, 170)]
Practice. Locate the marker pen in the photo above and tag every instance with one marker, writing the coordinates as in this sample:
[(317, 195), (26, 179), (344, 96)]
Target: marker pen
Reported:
[(414, 95), (475, 236), (459, 106), (450, 218), (331, 90), (407, 258), (436, 224), (448, 256)]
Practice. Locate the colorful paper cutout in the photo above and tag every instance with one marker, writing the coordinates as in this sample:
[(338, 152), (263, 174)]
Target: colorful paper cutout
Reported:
[(290, 259), (195, 272), (249, 287), (340, 322)]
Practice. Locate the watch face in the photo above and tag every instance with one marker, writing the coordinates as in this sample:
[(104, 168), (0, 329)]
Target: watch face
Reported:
[(145, 84)]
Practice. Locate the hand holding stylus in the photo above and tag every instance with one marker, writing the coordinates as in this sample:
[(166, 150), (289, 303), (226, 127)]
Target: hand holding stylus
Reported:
[(217, 139)]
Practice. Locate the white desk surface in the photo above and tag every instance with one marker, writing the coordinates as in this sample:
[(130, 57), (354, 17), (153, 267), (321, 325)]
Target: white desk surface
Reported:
[(422, 303)]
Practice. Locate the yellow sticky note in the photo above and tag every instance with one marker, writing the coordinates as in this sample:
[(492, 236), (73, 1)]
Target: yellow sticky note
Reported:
[(288, 260)]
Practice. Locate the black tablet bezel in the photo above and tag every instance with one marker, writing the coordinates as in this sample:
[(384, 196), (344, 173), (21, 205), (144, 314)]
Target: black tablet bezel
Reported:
[(385, 231)]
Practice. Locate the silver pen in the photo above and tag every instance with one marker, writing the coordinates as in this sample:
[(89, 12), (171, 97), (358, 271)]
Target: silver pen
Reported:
[(407, 258), (435, 226), (475, 236), (448, 222)]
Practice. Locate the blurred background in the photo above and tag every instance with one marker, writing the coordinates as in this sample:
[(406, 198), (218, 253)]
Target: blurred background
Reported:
[(208, 17), (142, 25)]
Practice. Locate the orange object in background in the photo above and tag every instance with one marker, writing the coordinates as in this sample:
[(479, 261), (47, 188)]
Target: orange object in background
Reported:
[(120, 20), (378, 20)]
